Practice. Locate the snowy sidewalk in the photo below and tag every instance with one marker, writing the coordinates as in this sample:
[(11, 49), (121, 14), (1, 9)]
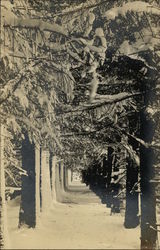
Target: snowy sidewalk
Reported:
[(74, 226)]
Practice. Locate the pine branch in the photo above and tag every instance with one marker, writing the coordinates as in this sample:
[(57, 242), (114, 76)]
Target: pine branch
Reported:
[(29, 23), (105, 100)]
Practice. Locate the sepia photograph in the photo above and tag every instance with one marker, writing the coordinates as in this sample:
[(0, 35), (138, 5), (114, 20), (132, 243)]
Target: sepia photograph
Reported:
[(80, 124)]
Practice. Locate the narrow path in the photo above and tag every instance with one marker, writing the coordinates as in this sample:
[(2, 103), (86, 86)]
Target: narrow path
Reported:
[(74, 226), (80, 194)]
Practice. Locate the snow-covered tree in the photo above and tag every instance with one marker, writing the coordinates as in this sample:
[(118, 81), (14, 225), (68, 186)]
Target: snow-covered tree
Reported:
[(95, 57)]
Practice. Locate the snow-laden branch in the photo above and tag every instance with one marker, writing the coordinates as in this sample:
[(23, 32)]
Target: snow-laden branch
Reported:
[(81, 7), (11, 86), (89, 45), (136, 6), (78, 134), (132, 153), (109, 99), (106, 99), (35, 24), (142, 142), (135, 49), (11, 176), (123, 131)]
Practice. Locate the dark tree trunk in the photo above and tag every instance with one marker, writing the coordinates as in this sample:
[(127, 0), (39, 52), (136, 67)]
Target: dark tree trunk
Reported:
[(28, 199), (148, 198), (62, 173), (108, 178), (115, 186), (110, 163), (131, 211), (65, 179), (132, 202), (104, 179), (104, 168)]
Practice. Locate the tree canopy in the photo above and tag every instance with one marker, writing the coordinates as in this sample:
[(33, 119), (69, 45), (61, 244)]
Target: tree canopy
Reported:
[(69, 65)]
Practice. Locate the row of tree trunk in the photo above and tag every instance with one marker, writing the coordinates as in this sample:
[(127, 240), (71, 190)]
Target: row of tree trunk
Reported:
[(45, 177), (140, 202), (42, 185), (145, 212)]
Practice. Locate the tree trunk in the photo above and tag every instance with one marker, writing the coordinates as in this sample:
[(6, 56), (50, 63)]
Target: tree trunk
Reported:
[(65, 179), (3, 224), (104, 179), (132, 173), (30, 198), (46, 193), (37, 166), (3, 217), (62, 173), (131, 211), (110, 164), (69, 176), (58, 180), (109, 173), (115, 186), (53, 178), (148, 198)]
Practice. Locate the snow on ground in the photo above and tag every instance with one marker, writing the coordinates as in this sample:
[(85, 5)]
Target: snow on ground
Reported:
[(73, 226)]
